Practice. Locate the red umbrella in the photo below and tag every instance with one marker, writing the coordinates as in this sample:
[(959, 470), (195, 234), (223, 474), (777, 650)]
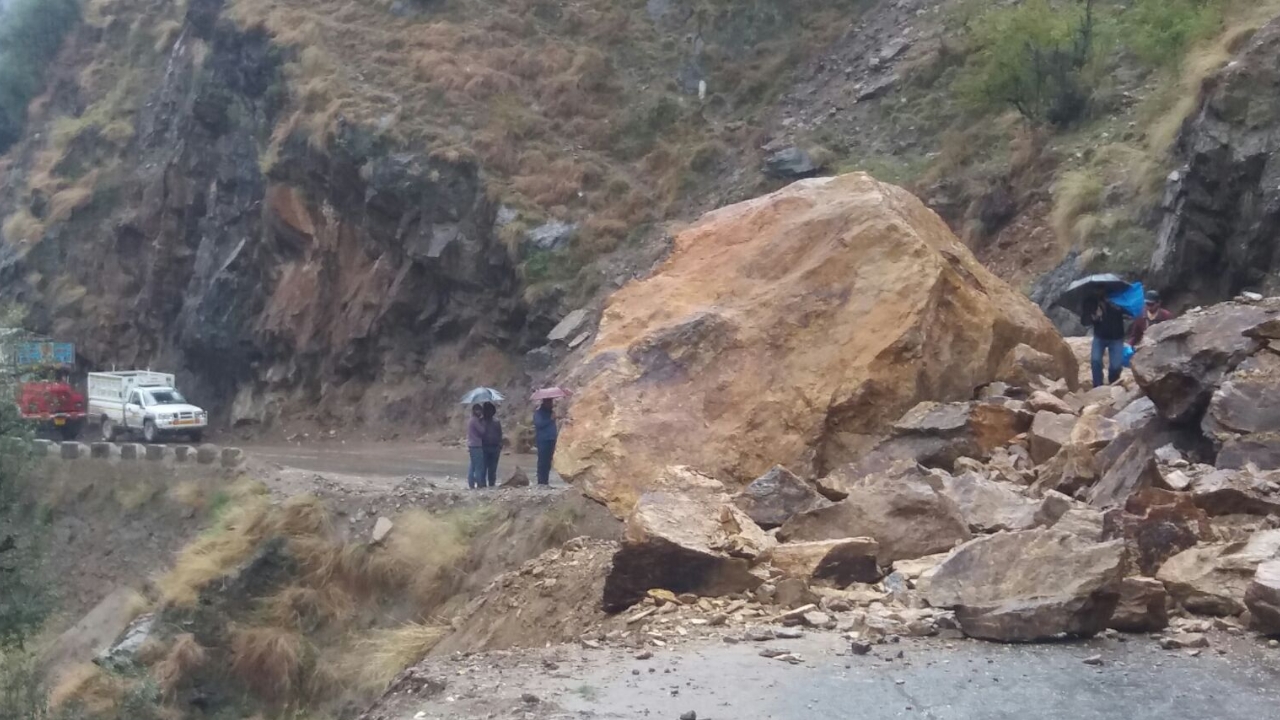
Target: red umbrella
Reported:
[(551, 393)]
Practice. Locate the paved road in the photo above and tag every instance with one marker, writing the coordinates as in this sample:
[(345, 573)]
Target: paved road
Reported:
[(964, 680)]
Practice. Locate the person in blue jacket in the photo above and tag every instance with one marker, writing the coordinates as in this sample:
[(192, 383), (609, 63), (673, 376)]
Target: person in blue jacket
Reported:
[(545, 434)]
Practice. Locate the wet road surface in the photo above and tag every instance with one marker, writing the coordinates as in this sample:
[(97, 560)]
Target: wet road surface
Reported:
[(936, 680)]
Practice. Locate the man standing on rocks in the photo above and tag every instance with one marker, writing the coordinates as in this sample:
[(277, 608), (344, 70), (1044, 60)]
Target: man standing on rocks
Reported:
[(545, 434), (1151, 315), (492, 444), (1108, 336)]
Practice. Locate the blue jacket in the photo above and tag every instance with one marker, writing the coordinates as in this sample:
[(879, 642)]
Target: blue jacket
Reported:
[(544, 426)]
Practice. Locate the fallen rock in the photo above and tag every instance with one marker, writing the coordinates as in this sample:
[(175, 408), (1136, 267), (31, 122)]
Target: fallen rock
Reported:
[(697, 543), (791, 163), (1236, 492), (1248, 400), (1156, 525), (567, 327), (1129, 464), (989, 506), (1024, 365), (1047, 402), (773, 498), (1141, 607), (1185, 359), (1212, 579), (1183, 640), (1030, 585), (832, 284), (1135, 415), (901, 509), (1262, 597), (1049, 432), (381, 529), (840, 562), (1261, 450), (794, 592), (122, 656), (1071, 470), (518, 479), (1094, 432)]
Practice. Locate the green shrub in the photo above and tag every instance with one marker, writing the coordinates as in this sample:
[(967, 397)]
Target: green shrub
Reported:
[(1038, 57), (31, 32), (1161, 31)]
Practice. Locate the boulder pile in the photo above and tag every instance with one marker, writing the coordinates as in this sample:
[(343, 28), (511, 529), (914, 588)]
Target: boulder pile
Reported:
[(1027, 511)]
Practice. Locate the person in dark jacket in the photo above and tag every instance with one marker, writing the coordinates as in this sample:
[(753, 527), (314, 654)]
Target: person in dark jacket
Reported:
[(545, 433), (1151, 315), (475, 447), (1108, 336), (492, 443)]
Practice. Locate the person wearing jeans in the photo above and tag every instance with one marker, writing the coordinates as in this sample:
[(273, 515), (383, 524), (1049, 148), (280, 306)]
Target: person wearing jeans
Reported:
[(545, 434), (492, 446), (475, 447), (1108, 337)]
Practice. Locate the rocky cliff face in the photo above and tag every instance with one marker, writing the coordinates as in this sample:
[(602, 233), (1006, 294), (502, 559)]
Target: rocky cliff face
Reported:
[(336, 274), (1221, 208)]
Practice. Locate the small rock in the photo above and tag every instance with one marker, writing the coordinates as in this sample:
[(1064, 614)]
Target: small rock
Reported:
[(691, 715), (1273, 644), (381, 529), (773, 652), (644, 655), (1093, 660), (530, 698), (816, 619), (787, 634), (858, 647)]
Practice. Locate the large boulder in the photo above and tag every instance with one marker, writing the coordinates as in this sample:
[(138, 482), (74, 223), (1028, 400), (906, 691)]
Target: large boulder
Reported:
[(990, 506), (1030, 585), (774, 497), (696, 542), (1237, 492), (1212, 579), (790, 329), (1049, 432), (1024, 365), (1142, 606), (839, 562), (937, 434), (1262, 597), (1069, 471), (902, 509), (1185, 359), (1156, 525)]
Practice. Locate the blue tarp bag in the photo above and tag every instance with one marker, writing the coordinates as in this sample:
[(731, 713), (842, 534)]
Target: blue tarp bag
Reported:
[(1128, 354), (1131, 300)]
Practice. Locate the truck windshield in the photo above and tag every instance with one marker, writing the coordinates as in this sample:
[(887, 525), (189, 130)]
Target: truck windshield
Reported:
[(167, 397)]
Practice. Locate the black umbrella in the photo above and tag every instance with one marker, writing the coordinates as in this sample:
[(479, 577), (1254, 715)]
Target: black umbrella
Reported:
[(1073, 297)]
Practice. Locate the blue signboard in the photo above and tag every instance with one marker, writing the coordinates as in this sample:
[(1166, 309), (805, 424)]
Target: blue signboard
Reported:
[(31, 354)]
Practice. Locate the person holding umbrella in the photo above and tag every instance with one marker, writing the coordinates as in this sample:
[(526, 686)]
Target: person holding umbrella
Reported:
[(475, 447), (545, 430), (1108, 335), (484, 436), (492, 446)]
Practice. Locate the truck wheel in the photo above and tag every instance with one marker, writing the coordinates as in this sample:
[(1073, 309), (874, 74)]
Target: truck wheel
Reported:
[(149, 432), (71, 431), (109, 430)]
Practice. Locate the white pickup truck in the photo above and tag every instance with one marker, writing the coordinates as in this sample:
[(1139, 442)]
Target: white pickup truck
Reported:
[(145, 402)]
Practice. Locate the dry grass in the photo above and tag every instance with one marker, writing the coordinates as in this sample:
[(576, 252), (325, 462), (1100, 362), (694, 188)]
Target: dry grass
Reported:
[(1075, 196), (184, 656), (66, 202), (21, 226), (376, 659), (246, 523), (270, 661), (89, 688)]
